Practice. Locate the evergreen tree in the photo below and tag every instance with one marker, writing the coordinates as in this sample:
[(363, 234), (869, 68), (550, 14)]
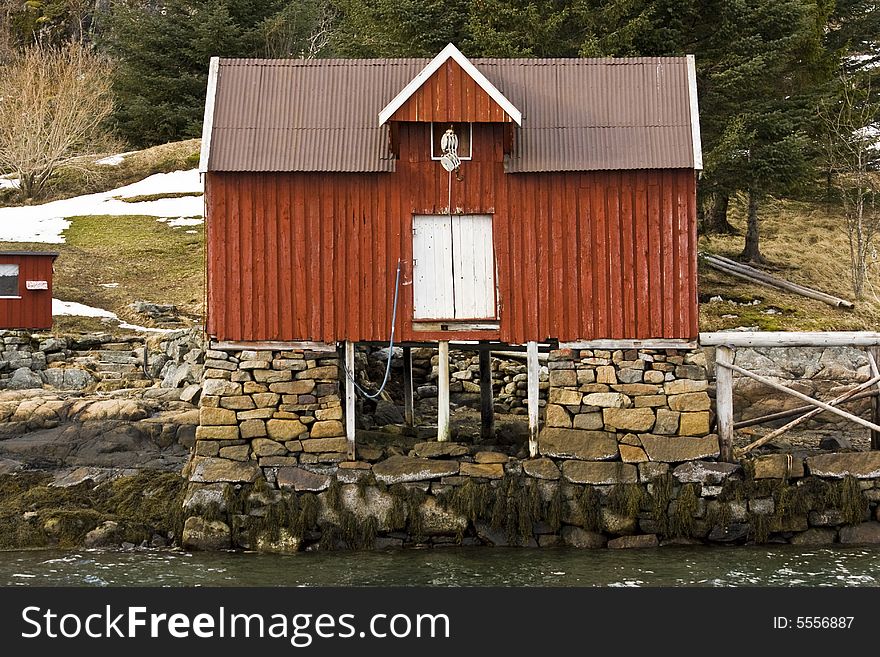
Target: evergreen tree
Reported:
[(398, 28), (163, 55)]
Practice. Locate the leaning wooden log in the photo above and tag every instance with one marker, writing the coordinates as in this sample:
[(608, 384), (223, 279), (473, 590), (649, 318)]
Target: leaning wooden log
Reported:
[(775, 280), (751, 274), (794, 412), (803, 418)]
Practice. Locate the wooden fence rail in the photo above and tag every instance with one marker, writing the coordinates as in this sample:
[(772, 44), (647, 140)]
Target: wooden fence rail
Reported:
[(726, 342)]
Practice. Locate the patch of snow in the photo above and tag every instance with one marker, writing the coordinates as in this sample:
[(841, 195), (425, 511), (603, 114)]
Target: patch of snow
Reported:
[(109, 284), (114, 160), (46, 222), (191, 232), (37, 229), (60, 307), (176, 182), (183, 221), (8, 182), (72, 308)]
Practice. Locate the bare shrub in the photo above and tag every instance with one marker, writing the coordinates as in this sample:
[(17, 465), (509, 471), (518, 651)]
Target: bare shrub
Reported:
[(53, 104)]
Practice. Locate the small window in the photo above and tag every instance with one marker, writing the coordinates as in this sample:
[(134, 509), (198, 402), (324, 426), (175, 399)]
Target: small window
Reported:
[(9, 281), (464, 132)]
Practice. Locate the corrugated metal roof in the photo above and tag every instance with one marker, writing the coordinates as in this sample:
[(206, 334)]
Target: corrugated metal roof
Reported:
[(578, 114)]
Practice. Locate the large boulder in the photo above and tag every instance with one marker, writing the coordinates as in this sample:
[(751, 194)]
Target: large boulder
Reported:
[(866, 533), (24, 379), (578, 444), (599, 473), (861, 465), (69, 378), (672, 449), (581, 538), (106, 534), (201, 534), (400, 469), (301, 480), (705, 472), (210, 470)]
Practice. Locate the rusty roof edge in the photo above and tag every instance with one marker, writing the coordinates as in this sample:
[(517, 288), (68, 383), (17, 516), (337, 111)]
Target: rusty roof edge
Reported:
[(410, 61), (208, 123), (43, 254), (695, 112)]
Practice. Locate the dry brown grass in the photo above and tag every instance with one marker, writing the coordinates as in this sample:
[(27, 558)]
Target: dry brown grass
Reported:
[(805, 243)]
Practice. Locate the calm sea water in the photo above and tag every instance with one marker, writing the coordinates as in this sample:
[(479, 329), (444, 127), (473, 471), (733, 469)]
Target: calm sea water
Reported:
[(741, 566)]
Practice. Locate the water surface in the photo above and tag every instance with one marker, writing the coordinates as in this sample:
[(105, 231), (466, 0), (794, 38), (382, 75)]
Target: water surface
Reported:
[(672, 566)]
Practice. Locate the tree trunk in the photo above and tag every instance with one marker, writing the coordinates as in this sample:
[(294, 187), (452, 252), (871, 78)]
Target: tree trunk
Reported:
[(716, 219), (752, 250)]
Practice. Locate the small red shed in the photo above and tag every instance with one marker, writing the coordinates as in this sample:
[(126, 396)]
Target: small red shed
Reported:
[(526, 199), (26, 289)]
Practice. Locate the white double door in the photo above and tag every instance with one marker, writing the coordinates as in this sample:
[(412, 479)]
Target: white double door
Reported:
[(453, 267)]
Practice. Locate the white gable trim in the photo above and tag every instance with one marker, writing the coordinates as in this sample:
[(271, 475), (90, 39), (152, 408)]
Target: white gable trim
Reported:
[(695, 112), (208, 124), (450, 51)]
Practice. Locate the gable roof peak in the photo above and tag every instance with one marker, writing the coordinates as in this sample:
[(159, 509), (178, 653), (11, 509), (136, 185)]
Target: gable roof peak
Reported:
[(449, 52)]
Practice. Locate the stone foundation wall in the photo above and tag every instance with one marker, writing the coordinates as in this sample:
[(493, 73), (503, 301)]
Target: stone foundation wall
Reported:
[(633, 406), (437, 494), (99, 362), (625, 461), (270, 415)]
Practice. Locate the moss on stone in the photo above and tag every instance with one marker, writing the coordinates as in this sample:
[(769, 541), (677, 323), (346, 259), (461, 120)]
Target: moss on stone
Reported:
[(662, 488), (683, 520), (590, 505), (852, 502), (759, 524), (554, 509), (627, 499), (34, 514)]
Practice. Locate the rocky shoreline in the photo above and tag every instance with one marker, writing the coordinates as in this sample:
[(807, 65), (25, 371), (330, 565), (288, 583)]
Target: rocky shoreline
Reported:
[(245, 450)]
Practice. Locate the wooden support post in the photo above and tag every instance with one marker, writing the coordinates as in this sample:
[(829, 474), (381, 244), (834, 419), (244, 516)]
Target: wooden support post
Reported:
[(443, 392), (532, 365), (349, 399), (408, 412), (873, 357), (724, 401), (487, 398)]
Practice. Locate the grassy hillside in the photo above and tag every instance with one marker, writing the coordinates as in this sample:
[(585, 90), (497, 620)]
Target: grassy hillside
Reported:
[(805, 243), (147, 259), (89, 177)]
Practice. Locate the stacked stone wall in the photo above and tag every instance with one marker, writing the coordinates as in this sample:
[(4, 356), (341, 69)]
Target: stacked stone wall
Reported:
[(270, 415), (634, 406), (99, 362)]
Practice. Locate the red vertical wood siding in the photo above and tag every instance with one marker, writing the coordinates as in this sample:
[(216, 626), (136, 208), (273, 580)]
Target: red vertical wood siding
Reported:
[(34, 309), (579, 255), (450, 94)]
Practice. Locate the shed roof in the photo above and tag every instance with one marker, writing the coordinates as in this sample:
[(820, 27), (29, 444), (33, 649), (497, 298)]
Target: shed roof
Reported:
[(577, 114), (37, 254)]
